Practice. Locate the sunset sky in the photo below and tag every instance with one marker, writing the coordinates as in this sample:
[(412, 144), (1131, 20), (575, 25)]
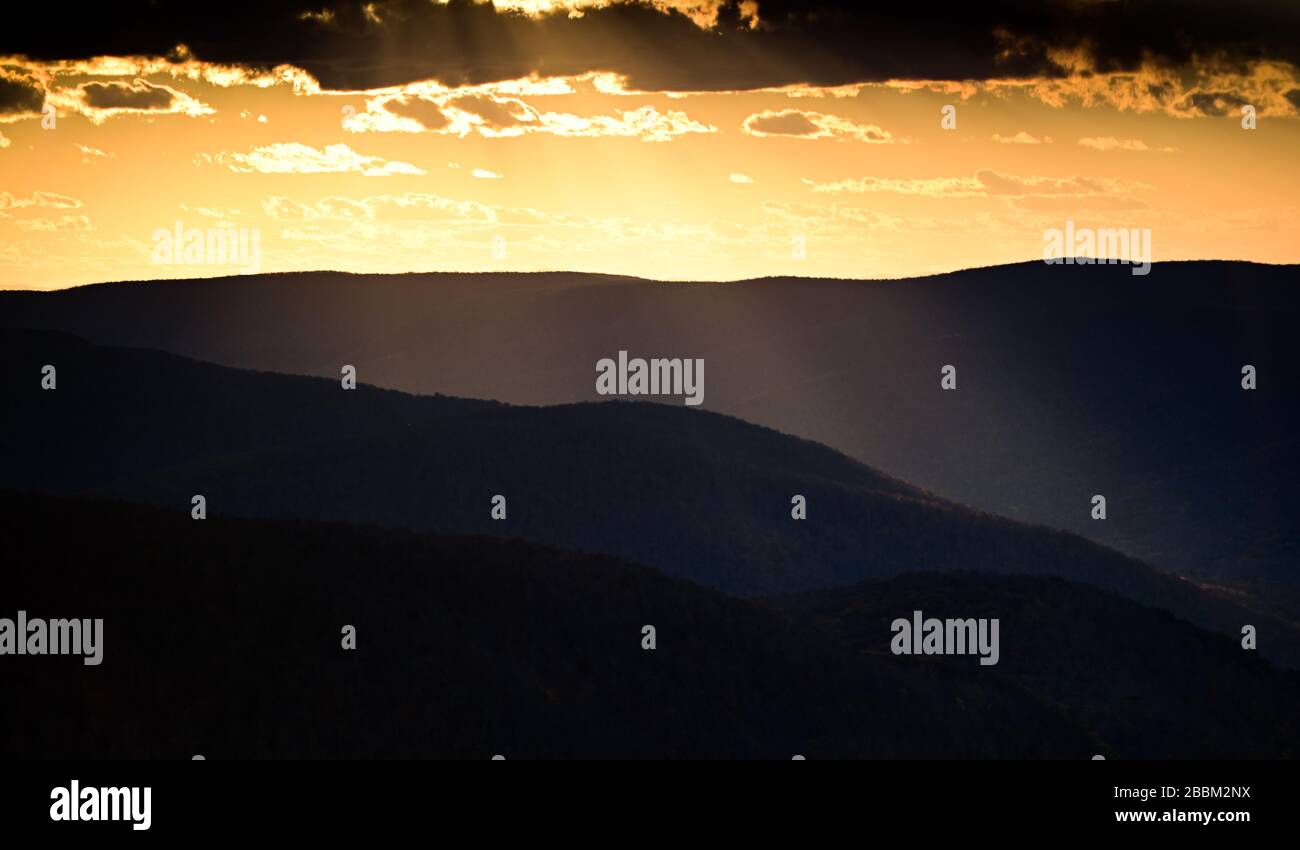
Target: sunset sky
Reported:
[(674, 139)]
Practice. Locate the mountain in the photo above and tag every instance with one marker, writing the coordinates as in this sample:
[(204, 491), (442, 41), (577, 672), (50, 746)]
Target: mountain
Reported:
[(1146, 683), (223, 638), (695, 494), (1072, 381)]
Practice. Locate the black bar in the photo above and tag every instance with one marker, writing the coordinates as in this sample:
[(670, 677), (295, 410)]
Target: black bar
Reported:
[(203, 799)]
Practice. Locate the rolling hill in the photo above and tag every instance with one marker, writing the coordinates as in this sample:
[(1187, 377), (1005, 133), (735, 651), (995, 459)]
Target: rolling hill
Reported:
[(1147, 684), (224, 639), (693, 493), (1072, 380)]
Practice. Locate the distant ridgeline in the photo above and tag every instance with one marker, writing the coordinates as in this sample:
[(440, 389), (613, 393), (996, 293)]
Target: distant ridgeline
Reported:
[(1068, 381)]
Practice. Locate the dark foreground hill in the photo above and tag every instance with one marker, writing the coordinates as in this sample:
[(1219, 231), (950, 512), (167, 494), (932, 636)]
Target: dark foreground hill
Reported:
[(223, 638), (1149, 685), (692, 493), (1072, 380)]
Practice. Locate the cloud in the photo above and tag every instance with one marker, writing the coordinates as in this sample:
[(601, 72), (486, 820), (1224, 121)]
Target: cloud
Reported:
[(493, 115), (997, 183), (1204, 87), (45, 200), (803, 124), (450, 113), (222, 214), (484, 174), (409, 206), (177, 63), (426, 113), (90, 155), (703, 13), (1110, 143), (62, 224), (737, 177), (1217, 103), (137, 95), (296, 158), (100, 101), (1021, 138), (929, 186), (1028, 192), (328, 209), (21, 94), (647, 124), (4, 141), (846, 222), (1091, 52), (674, 45)]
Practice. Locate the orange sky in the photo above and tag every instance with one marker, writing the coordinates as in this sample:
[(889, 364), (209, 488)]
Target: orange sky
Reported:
[(581, 174)]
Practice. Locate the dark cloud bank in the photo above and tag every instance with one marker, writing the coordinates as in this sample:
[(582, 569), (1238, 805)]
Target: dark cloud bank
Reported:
[(822, 43)]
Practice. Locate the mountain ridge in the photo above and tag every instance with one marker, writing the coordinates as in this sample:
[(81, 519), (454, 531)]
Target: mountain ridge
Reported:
[(606, 478), (1072, 380), (615, 277)]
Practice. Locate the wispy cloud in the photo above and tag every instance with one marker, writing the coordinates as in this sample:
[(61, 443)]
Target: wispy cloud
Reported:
[(90, 155), (297, 158), (1028, 192), (804, 124), (488, 113), (1110, 143), (984, 182), (49, 200), (1020, 138), (62, 224)]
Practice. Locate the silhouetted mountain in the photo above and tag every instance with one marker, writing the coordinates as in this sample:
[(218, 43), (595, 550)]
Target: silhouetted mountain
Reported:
[(1072, 380), (693, 493), (1149, 685), (223, 638)]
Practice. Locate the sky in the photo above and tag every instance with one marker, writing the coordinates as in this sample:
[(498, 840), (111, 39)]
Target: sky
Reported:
[(668, 139)]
